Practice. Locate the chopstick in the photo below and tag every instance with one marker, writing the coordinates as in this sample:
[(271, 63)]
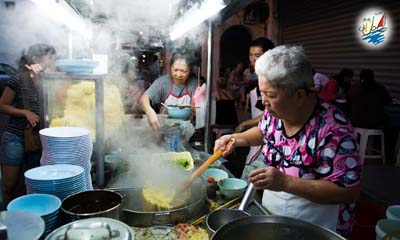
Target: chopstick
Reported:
[(200, 219), (234, 206)]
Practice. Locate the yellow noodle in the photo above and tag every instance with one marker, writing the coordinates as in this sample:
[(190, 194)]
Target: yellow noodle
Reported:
[(158, 199), (80, 106)]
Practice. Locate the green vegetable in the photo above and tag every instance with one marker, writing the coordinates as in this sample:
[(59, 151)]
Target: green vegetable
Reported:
[(182, 162)]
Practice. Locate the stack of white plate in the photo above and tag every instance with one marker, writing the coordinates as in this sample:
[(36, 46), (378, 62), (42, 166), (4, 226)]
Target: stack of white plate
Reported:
[(60, 180), (67, 145)]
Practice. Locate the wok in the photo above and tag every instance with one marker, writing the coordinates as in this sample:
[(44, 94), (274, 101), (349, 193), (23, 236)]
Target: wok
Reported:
[(273, 228), (135, 215)]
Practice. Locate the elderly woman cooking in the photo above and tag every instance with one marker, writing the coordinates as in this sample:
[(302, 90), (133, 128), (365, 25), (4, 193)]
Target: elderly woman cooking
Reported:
[(312, 167), (175, 88)]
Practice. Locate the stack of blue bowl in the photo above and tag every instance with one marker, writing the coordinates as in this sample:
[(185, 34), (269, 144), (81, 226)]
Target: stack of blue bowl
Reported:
[(44, 205), (60, 180), (77, 66)]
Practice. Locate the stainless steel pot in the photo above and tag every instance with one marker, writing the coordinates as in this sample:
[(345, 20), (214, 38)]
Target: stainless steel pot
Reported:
[(273, 228), (134, 215), (217, 219), (93, 228), (94, 203)]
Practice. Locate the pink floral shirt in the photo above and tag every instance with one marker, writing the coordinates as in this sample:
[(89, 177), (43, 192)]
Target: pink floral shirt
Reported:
[(325, 148)]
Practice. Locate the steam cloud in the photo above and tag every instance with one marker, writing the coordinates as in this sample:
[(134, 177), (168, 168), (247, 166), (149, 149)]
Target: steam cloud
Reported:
[(26, 25), (143, 150)]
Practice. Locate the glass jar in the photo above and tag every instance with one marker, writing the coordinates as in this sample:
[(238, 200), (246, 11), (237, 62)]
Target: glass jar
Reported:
[(211, 188)]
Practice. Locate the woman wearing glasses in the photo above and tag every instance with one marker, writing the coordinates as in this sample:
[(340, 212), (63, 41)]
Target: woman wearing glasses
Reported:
[(312, 167)]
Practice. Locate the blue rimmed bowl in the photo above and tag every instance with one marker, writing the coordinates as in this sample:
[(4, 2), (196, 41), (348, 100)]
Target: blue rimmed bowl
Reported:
[(179, 112), (40, 204), (216, 173), (232, 187)]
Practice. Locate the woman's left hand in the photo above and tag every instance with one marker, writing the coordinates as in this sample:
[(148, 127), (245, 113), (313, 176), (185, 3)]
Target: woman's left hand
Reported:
[(34, 69), (268, 178)]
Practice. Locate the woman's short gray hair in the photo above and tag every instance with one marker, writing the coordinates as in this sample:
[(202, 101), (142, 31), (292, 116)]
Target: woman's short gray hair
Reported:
[(286, 67)]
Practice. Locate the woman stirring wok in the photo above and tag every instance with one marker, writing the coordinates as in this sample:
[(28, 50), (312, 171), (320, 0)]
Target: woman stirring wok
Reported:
[(175, 88), (312, 167)]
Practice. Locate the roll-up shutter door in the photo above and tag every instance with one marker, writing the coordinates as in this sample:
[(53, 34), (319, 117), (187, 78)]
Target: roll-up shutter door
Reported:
[(328, 32)]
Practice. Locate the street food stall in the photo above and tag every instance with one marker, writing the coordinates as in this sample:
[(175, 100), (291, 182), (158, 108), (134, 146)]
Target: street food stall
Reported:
[(145, 183)]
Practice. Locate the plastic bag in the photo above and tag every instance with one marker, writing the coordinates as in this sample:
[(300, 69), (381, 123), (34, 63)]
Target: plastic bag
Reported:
[(199, 101), (31, 140)]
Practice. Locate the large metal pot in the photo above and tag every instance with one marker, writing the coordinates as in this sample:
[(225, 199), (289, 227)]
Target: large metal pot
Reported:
[(219, 218), (134, 215), (94, 203), (273, 228), (93, 228)]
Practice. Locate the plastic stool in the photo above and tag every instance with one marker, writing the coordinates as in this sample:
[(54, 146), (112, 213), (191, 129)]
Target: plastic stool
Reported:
[(364, 134)]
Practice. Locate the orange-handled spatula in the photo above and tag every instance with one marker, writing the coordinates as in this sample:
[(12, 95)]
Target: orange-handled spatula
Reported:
[(208, 163)]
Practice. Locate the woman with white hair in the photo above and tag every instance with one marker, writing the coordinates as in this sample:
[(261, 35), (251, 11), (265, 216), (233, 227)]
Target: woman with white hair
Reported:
[(312, 167)]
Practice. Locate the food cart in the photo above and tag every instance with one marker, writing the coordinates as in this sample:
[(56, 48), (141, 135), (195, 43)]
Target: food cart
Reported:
[(52, 97)]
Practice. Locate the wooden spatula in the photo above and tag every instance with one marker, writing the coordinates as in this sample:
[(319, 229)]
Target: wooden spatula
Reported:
[(207, 163), (200, 170)]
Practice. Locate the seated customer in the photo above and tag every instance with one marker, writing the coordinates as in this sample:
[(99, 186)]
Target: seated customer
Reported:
[(343, 80), (367, 100), (222, 92), (225, 104)]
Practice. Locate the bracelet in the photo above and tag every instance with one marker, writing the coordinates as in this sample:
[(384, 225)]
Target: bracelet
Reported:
[(234, 140)]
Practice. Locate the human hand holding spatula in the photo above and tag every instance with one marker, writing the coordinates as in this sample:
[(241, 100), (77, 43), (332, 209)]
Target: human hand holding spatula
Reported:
[(206, 164)]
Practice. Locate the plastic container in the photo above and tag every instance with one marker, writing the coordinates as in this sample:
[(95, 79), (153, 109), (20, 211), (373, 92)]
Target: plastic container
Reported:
[(393, 212), (387, 226), (170, 137)]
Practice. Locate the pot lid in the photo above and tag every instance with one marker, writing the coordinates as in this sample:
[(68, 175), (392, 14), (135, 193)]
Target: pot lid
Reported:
[(93, 229), (22, 225)]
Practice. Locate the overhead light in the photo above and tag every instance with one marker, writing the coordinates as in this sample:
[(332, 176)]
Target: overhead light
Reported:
[(65, 15), (195, 16)]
